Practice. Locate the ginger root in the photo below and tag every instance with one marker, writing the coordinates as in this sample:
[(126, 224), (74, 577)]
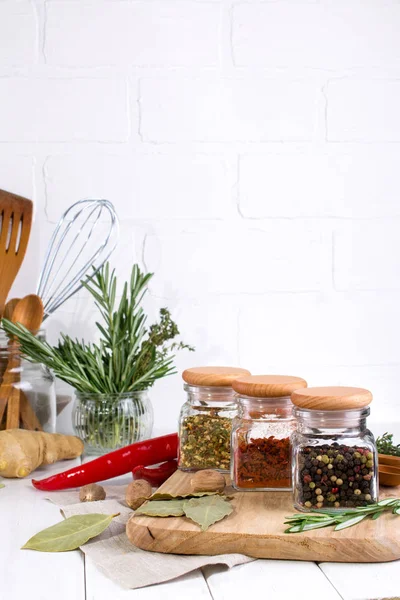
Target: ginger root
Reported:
[(22, 451)]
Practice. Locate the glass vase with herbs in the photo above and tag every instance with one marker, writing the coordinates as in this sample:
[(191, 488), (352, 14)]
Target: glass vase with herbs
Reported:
[(111, 377), (205, 421), (261, 432)]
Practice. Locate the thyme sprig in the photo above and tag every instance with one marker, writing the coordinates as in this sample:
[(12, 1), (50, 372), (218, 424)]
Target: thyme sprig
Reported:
[(341, 518), (128, 357), (385, 445)]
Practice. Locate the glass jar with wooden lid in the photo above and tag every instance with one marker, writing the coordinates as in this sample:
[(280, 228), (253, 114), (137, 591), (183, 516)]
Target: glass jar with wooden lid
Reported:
[(205, 421), (261, 449), (334, 454)]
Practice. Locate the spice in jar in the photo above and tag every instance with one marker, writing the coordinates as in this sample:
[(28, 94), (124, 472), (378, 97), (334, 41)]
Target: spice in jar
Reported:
[(261, 432), (205, 422), (205, 442), (263, 462), (335, 475), (335, 458)]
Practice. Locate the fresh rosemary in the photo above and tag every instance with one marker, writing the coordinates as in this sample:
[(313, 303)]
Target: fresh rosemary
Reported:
[(129, 357), (341, 518), (385, 445)]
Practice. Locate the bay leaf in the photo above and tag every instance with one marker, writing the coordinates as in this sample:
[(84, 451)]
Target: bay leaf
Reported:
[(207, 510), (70, 533), (165, 496), (161, 508)]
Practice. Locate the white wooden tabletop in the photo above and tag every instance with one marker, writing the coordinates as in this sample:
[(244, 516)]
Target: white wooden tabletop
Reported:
[(69, 576)]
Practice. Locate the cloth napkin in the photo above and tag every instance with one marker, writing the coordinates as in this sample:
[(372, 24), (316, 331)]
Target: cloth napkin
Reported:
[(118, 559)]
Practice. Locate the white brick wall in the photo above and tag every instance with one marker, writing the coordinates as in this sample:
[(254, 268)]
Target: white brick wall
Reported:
[(251, 149)]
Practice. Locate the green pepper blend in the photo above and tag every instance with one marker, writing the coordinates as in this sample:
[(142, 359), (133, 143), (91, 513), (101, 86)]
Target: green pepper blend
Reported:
[(205, 422)]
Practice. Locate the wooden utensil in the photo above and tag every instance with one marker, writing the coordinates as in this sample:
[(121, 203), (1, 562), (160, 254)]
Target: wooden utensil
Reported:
[(256, 528), (15, 227), (28, 312), (389, 476), (9, 308), (388, 459)]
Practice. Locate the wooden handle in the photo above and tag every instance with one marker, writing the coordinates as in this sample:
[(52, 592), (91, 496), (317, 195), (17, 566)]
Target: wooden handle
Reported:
[(28, 417)]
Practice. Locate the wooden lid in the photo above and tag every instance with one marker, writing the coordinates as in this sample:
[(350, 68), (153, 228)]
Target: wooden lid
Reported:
[(268, 386), (332, 398), (213, 376)]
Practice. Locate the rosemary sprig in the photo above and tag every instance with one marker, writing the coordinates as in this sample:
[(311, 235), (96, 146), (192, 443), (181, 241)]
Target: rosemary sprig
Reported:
[(341, 518), (128, 357), (385, 445)]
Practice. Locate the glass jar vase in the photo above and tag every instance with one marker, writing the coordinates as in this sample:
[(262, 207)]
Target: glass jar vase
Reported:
[(205, 421), (27, 391), (106, 422), (335, 462), (261, 449)]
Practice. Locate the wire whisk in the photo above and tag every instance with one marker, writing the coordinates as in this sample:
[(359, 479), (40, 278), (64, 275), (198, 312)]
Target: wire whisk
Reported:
[(84, 237)]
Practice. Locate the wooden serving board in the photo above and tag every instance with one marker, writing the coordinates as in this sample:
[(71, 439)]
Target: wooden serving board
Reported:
[(256, 528)]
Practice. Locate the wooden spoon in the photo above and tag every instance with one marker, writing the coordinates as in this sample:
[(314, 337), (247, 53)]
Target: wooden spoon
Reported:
[(15, 227), (29, 313), (9, 308)]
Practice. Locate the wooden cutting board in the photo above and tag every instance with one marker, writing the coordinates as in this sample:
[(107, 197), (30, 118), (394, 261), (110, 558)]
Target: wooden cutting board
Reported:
[(256, 528)]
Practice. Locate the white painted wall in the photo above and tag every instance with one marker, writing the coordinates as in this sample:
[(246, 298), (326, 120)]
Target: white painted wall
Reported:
[(252, 152)]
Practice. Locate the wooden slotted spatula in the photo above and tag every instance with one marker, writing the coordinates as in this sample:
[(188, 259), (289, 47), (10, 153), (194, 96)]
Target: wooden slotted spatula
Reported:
[(15, 227)]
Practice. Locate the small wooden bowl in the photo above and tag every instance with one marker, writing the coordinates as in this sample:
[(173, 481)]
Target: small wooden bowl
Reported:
[(389, 475), (387, 459)]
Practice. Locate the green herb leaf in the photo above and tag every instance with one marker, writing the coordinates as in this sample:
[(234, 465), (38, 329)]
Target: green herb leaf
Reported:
[(341, 518), (129, 356), (164, 496), (207, 510), (385, 445), (2, 485), (70, 533), (160, 508), (349, 522)]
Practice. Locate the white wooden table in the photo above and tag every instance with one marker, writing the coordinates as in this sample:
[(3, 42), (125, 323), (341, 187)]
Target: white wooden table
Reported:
[(69, 576)]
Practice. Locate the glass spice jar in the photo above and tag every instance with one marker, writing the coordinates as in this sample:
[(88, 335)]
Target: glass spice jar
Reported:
[(334, 454), (205, 421), (30, 385), (261, 432)]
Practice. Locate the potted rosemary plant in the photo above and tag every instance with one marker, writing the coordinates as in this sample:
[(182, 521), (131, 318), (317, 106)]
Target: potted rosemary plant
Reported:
[(112, 377)]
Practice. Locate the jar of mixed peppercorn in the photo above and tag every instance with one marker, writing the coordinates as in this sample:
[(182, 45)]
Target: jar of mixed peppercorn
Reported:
[(205, 421), (261, 432), (334, 454)]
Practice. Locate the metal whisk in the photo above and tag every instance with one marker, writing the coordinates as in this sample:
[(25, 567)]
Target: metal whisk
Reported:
[(85, 236)]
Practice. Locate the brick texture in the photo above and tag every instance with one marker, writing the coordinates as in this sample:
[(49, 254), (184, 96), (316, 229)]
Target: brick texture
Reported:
[(251, 149), (134, 33), (347, 34), (18, 34), (62, 110), (213, 110)]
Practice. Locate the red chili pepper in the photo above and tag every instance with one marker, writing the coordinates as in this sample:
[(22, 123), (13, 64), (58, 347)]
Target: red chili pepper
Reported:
[(155, 475), (119, 462)]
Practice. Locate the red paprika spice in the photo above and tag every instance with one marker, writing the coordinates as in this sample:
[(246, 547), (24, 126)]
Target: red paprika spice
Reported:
[(263, 463)]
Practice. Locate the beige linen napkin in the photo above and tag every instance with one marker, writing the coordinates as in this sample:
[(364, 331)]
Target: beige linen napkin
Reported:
[(118, 559)]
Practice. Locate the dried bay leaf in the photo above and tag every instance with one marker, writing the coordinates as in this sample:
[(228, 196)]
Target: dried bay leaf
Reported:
[(207, 510), (161, 508), (70, 533), (165, 496)]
